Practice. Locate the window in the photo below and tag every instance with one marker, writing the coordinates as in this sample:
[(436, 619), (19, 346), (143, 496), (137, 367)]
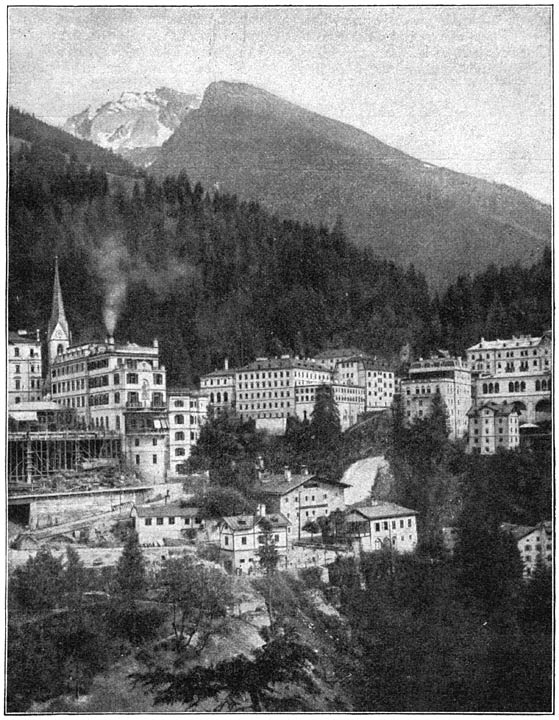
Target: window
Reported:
[(117, 397), (116, 379), (385, 525), (158, 379), (180, 451), (243, 540), (147, 521), (160, 521), (171, 521), (154, 458), (226, 539), (377, 527), (154, 441), (136, 441), (137, 459), (132, 378), (16, 351), (179, 419), (179, 436), (409, 522)]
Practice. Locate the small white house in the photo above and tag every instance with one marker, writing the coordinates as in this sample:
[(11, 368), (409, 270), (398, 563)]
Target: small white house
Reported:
[(535, 544), (156, 523), (384, 525), (241, 537)]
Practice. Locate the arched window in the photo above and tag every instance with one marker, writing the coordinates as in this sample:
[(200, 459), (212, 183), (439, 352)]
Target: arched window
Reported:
[(496, 387), (490, 387), (538, 386), (484, 388), (180, 451), (517, 386), (59, 349), (179, 435), (522, 386), (212, 398), (218, 397), (179, 419), (179, 403), (225, 397), (511, 387)]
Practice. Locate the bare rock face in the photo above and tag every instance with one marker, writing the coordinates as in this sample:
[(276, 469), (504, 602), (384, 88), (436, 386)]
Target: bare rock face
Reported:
[(135, 124)]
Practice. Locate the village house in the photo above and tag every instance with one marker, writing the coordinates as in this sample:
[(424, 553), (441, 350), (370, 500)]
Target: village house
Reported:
[(24, 367), (492, 426), (382, 525), (157, 523), (242, 536), (535, 544), (301, 498)]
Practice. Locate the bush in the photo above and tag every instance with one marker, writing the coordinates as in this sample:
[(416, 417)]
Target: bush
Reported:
[(209, 552), (312, 577)]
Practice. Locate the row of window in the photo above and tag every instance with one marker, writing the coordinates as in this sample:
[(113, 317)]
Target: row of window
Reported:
[(32, 369), (180, 404), (217, 398), (32, 353), (34, 383), (263, 406), (261, 539), (180, 436), (194, 419), (171, 521)]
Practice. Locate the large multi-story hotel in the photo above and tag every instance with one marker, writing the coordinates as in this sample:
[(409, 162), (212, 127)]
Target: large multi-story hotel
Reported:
[(517, 371), (266, 389), (188, 411), (447, 375), (117, 388)]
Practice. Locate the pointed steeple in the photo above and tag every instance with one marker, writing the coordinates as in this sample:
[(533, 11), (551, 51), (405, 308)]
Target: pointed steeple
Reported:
[(58, 333)]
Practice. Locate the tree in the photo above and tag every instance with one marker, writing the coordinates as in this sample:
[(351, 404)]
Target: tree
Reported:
[(131, 570), (325, 419), (198, 597), (234, 682), (75, 579), (222, 502), (37, 586), (312, 527), (267, 552)]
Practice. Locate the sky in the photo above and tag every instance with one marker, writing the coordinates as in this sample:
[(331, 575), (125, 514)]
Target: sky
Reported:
[(468, 88)]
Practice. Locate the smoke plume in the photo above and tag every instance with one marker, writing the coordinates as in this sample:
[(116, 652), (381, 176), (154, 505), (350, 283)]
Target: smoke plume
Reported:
[(113, 266)]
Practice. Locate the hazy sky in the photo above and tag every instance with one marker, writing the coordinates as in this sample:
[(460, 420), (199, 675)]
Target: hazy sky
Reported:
[(464, 87)]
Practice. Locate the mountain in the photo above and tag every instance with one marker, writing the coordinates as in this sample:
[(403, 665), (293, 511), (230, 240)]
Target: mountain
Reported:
[(136, 124), (305, 166), (25, 131)]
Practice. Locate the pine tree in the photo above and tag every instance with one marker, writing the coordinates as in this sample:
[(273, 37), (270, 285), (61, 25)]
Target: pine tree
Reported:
[(131, 570), (267, 552)]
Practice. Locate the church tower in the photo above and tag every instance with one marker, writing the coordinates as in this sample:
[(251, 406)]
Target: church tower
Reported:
[(58, 333)]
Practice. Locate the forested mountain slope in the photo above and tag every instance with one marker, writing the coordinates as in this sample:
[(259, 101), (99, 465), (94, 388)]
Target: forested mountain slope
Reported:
[(213, 277), (311, 168)]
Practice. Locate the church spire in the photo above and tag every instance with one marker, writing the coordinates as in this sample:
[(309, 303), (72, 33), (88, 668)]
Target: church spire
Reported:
[(58, 330)]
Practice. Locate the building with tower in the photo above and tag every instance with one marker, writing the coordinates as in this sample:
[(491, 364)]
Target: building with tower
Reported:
[(114, 388)]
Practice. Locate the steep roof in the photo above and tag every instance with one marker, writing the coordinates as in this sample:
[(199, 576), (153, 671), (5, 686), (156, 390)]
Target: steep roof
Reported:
[(278, 485), (248, 522), (498, 408), (520, 531), (382, 510), (58, 316)]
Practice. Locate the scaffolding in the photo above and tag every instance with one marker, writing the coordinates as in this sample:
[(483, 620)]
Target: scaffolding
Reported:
[(35, 458)]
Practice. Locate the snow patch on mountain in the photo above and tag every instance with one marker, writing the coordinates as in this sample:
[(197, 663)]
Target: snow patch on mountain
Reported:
[(135, 120)]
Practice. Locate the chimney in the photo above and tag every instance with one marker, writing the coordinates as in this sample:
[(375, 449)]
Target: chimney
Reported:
[(304, 470), (110, 341), (287, 474), (226, 364), (260, 510), (156, 343), (38, 335)]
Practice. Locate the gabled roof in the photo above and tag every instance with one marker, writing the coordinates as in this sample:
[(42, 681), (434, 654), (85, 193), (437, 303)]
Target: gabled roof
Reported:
[(278, 485), (219, 373), (168, 510), (521, 341), (382, 510), (520, 531), (284, 363), (498, 408), (240, 523)]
